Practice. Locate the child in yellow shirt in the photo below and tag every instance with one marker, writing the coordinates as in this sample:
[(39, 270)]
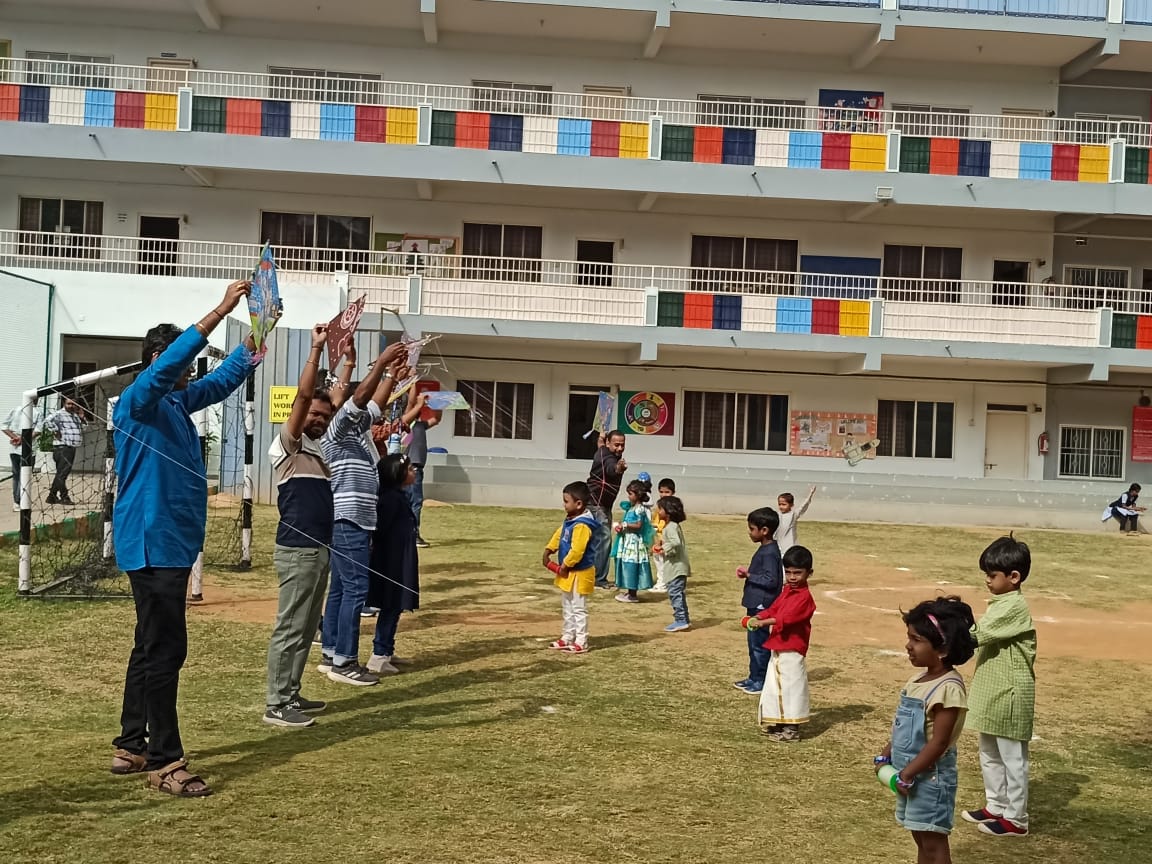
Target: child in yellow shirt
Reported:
[(575, 542)]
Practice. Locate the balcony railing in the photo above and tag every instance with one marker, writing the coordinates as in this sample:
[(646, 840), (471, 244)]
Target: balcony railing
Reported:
[(597, 293), (84, 95), (1077, 10)]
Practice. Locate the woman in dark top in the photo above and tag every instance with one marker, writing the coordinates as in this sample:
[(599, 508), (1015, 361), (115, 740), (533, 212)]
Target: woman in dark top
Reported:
[(394, 556)]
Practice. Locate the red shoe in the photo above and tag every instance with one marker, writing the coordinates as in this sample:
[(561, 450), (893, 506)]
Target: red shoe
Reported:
[(978, 816), (1003, 828), (560, 645), (577, 649)]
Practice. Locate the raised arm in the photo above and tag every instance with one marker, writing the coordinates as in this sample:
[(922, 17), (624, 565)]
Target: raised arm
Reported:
[(166, 368), (804, 507), (371, 382), (348, 367), (294, 427)]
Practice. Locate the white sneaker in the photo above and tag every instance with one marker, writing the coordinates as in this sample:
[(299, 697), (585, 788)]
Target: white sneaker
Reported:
[(658, 589), (15, 508), (381, 664)]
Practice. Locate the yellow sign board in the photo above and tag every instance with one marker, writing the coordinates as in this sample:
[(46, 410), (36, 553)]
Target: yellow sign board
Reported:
[(280, 401)]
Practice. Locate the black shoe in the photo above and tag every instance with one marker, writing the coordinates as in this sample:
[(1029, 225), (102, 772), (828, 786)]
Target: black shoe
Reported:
[(307, 706), (68, 502), (51, 499), (421, 543), (287, 716), (353, 673)]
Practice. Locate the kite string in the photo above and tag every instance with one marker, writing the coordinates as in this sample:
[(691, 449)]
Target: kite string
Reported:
[(204, 477)]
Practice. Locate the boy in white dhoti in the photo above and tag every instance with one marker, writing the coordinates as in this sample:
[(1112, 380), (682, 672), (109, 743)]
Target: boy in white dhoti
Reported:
[(784, 699)]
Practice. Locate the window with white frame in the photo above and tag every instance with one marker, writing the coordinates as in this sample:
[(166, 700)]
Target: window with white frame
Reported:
[(508, 97), (500, 409), (62, 69), (61, 227), (316, 241), (750, 112), (323, 85), (749, 422), (1090, 287), (604, 102), (1094, 452), (929, 121), (921, 430), (1024, 124)]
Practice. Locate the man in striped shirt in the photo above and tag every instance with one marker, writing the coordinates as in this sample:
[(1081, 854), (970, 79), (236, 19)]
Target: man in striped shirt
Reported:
[(67, 427), (352, 459)]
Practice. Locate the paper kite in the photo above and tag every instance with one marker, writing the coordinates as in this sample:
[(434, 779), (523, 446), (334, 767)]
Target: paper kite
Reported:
[(605, 410), (264, 305), (447, 400), (342, 330)]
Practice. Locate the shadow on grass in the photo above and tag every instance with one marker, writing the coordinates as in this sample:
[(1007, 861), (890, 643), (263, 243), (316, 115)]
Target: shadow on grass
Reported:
[(454, 568), (825, 719)]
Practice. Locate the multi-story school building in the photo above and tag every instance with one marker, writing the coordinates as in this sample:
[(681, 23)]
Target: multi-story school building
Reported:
[(773, 230)]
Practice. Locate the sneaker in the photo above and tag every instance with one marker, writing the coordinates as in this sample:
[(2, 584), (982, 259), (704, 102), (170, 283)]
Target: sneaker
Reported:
[(286, 715), (752, 689), (978, 816), (67, 502), (627, 598), (369, 612), (15, 508), (1003, 828), (307, 706), (560, 645), (657, 589), (325, 665), (352, 673), (421, 543), (381, 664), (195, 598), (51, 499), (741, 684), (769, 730), (785, 733), (677, 627), (574, 648)]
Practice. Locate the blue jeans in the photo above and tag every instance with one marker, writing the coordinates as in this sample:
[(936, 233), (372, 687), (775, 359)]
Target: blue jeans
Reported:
[(604, 544), (384, 642), (415, 494), (677, 595), (351, 546), (758, 655)]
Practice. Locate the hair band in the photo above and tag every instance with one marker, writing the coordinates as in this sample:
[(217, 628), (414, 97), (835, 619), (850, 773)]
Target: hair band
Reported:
[(936, 624)]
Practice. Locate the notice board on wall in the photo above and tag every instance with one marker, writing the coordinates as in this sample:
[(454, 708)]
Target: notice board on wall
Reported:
[(827, 433), (1142, 434)]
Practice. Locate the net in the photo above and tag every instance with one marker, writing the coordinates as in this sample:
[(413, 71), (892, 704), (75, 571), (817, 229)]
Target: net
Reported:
[(70, 546)]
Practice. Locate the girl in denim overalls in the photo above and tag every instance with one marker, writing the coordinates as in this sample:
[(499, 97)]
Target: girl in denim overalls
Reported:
[(928, 722)]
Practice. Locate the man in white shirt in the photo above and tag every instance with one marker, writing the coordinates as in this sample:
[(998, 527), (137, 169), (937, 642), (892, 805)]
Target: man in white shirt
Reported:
[(12, 430), (67, 427)]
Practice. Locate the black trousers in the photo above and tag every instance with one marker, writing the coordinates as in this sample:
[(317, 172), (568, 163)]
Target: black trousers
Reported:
[(1127, 523), (64, 457), (148, 721)]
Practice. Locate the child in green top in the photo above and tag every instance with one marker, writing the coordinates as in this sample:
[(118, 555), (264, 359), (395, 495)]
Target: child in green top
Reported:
[(1003, 692), (670, 510)]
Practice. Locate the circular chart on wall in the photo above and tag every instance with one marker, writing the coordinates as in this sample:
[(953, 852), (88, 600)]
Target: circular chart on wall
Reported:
[(646, 413)]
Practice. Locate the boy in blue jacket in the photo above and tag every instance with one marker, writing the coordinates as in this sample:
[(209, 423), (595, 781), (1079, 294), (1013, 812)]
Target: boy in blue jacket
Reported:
[(763, 579)]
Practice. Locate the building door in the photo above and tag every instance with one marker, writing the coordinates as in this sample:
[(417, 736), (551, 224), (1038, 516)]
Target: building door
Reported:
[(581, 414), (1006, 444), (158, 236), (1010, 278), (594, 262)]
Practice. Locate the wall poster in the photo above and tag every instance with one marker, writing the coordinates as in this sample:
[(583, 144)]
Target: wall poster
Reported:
[(1142, 434), (852, 111), (646, 413), (832, 433)]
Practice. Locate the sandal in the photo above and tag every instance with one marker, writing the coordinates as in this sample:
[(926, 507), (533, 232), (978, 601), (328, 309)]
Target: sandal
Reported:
[(127, 762), (175, 779)]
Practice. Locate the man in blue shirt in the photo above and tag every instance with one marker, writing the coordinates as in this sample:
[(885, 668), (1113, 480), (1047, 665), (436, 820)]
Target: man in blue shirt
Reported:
[(158, 526)]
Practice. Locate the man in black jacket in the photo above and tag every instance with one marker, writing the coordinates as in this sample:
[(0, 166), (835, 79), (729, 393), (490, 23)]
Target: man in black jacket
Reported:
[(608, 467)]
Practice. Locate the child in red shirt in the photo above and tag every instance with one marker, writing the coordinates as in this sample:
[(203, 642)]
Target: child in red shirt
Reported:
[(784, 699)]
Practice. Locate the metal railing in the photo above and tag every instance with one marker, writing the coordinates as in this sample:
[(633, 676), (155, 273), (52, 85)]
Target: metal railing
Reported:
[(559, 106), (219, 260), (1078, 10)]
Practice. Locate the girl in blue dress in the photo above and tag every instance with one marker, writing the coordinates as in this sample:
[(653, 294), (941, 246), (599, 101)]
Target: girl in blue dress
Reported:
[(634, 546)]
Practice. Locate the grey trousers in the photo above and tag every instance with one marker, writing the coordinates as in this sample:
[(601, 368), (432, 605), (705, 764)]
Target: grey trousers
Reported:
[(303, 581)]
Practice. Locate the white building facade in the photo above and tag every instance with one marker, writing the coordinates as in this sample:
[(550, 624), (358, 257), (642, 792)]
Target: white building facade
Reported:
[(772, 230)]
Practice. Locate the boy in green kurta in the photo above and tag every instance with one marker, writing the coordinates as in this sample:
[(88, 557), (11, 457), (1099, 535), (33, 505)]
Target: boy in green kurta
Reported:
[(1002, 697)]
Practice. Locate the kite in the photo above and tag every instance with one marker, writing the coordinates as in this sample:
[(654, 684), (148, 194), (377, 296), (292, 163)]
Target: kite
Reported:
[(264, 304), (605, 409), (342, 330), (447, 400)]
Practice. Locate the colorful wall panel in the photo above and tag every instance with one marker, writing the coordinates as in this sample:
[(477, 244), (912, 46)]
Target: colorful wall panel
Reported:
[(243, 116), (401, 126), (371, 125), (160, 111), (1132, 331), (764, 313), (66, 106), (34, 103), (129, 110), (100, 108), (337, 122), (9, 101)]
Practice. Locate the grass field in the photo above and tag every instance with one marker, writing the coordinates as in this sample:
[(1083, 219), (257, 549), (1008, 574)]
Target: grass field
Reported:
[(494, 749)]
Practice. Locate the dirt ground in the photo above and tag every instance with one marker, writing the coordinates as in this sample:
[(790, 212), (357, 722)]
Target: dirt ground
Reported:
[(853, 612)]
